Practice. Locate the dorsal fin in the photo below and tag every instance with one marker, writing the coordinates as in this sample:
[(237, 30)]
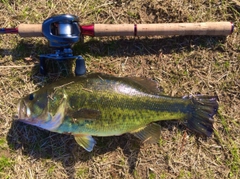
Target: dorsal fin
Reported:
[(150, 85), (146, 84)]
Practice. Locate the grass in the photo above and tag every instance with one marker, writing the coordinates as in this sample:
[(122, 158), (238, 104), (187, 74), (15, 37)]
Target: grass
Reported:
[(5, 166), (181, 65), (6, 162), (231, 146)]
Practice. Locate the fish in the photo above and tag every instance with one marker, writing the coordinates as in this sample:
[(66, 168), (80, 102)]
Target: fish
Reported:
[(104, 105)]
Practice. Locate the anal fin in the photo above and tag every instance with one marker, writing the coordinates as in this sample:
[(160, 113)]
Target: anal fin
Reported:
[(149, 134), (85, 141)]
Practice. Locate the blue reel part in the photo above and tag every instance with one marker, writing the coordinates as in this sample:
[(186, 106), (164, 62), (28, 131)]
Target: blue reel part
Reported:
[(80, 68), (62, 31)]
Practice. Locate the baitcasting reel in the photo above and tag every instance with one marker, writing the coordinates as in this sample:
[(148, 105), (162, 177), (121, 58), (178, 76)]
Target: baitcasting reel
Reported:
[(62, 31)]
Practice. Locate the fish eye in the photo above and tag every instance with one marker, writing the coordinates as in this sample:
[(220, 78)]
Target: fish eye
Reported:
[(31, 97)]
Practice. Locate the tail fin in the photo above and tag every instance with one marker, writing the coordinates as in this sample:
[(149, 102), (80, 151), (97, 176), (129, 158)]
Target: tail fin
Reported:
[(204, 108)]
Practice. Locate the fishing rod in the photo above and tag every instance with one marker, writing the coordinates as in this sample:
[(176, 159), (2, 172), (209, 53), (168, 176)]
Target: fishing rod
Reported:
[(62, 31)]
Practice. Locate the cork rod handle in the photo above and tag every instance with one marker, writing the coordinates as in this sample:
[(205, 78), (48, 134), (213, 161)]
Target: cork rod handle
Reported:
[(30, 30), (204, 28)]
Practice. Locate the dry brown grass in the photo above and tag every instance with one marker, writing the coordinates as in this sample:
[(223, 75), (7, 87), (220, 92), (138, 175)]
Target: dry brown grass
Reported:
[(181, 65)]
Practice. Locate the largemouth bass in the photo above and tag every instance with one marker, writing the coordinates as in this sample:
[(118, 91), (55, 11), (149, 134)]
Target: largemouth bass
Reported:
[(102, 105)]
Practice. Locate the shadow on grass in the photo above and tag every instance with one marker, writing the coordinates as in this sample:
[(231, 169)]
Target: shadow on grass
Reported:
[(112, 47), (41, 144), (147, 46)]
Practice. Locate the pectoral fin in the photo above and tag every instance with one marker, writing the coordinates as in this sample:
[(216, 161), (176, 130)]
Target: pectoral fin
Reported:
[(149, 134), (85, 141)]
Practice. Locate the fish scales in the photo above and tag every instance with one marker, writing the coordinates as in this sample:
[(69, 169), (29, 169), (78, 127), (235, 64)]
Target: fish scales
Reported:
[(119, 112)]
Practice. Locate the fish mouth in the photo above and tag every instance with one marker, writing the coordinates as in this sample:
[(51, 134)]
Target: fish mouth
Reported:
[(23, 110)]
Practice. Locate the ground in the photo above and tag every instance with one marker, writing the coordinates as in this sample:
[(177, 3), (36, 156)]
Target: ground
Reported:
[(181, 65)]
